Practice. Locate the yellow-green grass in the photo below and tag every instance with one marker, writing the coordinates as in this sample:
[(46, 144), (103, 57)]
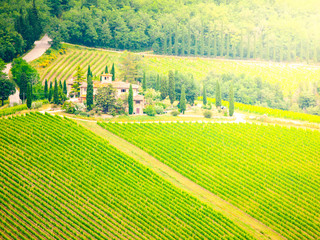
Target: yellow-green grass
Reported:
[(61, 181), (288, 75), (270, 172)]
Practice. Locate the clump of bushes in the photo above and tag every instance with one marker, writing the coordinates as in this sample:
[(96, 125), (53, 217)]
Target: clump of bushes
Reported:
[(175, 113), (159, 109), (36, 105), (150, 110), (207, 114)]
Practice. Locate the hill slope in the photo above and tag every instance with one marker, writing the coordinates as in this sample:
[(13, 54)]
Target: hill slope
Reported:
[(59, 180), (62, 67), (270, 172)]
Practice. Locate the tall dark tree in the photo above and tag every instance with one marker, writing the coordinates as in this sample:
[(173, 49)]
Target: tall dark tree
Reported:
[(65, 90), (60, 85), (204, 95), (46, 89), (231, 101), (7, 88), (158, 84), (144, 82), (170, 44), (189, 41), (56, 92), (171, 87), (89, 93), (164, 88), (218, 94), (106, 69), (23, 86), (176, 42), (50, 92), (113, 72), (130, 100), (183, 101), (165, 45), (34, 21), (29, 95), (89, 72)]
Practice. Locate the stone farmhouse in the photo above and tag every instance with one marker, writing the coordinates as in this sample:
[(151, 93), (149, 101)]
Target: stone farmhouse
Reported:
[(121, 89)]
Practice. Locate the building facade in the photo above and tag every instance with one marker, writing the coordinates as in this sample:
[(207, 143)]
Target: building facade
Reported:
[(121, 91)]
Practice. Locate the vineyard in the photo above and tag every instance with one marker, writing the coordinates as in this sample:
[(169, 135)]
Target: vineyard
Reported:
[(270, 112), (63, 66), (60, 181), (288, 76), (270, 172), (12, 110)]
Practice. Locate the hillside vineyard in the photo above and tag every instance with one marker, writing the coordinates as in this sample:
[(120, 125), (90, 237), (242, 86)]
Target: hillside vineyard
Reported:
[(60, 181), (271, 172)]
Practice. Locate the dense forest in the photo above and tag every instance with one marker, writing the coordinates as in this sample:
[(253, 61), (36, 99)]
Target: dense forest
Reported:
[(279, 30)]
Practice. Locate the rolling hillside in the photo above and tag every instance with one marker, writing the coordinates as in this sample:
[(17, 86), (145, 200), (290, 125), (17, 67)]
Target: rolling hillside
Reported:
[(270, 172), (60, 181), (288, 76)]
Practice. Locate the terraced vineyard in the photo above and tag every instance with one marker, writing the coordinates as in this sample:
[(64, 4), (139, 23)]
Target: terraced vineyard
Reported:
[(60, 181), (64, 66), (288, 76), (271, 172)]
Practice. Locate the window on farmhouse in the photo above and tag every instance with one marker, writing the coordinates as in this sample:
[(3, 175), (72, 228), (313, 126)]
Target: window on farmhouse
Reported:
[(123, 90), (137, 102)]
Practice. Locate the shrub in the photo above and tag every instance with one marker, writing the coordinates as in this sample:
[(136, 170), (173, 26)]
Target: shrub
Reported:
[(159, 109), (84, 114), (175, 113), (207, 114), (150, 110), (69, 107), (36, 105)]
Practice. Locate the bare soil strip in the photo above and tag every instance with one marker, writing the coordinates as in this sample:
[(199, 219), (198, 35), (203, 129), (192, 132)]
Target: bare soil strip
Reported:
[(248, 223)]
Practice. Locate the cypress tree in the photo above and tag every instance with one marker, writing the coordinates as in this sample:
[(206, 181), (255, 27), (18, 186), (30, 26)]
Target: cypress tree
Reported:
[(144, 82), (228, 46), (195, 45), (50, 93), (65, 90), (248, 47), (88, 72), (23, 86), (204, 95), (29, 95), (46, 89), (171, 87), (113, 73), (165, 45), (106, 69), (183, 41), (158, 83), (189, 41), (231, 101), (89, 93), (130, 100), (183, 103), (209, 45), (170, 44), (164, 88), (241, 47), (222, 36), (218, 94), (201, 42), (215, 45), (60, 85), (56, 93), (176, 42)]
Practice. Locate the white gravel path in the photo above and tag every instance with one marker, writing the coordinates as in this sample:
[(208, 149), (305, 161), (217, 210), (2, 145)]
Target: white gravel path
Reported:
[(40, 48)]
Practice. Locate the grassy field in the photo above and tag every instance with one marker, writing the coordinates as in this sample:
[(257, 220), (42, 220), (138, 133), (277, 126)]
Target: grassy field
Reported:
[(270, 172), (61, 181), (288, 76)]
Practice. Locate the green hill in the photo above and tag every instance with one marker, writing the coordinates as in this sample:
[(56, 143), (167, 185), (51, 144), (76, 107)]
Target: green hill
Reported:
[(270, 172), (63, 66), (60, 181)]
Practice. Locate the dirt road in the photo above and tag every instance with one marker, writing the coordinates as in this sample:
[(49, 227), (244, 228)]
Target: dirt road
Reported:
[(40, 48)]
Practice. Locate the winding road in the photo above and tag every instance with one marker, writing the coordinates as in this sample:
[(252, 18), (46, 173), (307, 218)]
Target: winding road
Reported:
[(40, 47)]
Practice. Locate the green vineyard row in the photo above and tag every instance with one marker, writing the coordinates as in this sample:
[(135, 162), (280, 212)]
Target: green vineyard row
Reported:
[(61, 181), (271, 172), (271, 112), (12, 110)]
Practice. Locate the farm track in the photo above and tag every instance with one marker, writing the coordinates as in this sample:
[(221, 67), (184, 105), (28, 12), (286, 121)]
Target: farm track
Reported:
[(252, 225)]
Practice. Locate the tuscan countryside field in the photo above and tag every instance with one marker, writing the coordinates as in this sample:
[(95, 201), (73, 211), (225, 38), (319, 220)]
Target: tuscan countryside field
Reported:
[(149, 119)]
